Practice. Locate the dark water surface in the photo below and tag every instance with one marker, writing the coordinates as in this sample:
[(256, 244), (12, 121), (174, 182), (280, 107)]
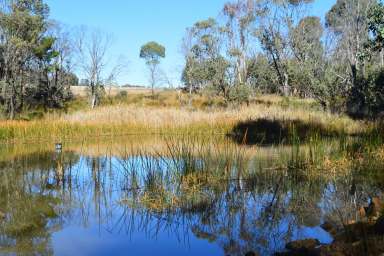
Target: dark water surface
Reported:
[(82, 202)]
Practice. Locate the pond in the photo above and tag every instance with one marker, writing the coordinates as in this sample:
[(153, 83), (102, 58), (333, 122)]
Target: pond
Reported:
[(170, 196)]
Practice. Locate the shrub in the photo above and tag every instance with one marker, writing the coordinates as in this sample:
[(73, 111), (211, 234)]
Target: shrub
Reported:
[(366, 99), (239, 94)]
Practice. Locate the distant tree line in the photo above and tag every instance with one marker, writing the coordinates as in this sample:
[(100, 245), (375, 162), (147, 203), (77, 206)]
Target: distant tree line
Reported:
[(35, 58), (263, 46), (254, 46), (38, 59)]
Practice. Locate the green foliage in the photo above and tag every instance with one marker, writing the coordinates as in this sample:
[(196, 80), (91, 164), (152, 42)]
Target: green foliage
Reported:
[(44, 51), (30, 75), (239, 94), (205, 24), (335, 16), (261, 75), (366, 99), (376, 25), (152, 52)]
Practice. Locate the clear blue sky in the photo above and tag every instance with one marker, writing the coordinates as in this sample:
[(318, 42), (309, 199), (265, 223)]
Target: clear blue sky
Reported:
[(135, 22)]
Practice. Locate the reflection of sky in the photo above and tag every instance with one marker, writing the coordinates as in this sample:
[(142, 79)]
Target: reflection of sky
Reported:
[(80, 241), (97, 224)]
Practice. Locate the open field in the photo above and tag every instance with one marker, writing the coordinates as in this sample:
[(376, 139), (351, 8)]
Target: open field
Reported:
[(82, 91)]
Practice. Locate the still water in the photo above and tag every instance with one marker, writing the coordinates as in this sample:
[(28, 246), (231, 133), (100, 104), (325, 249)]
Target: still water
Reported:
[(124, 198)]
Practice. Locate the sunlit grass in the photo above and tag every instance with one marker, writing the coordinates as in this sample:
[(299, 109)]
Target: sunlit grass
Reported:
[(166, 115)]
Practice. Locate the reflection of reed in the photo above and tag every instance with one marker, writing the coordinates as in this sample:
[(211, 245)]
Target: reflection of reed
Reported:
[(234, 196)]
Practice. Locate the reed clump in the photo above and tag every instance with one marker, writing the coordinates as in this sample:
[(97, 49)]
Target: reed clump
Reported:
[(144, 118)]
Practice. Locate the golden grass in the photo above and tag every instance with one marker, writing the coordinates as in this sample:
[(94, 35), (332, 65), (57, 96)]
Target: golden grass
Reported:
[(169, 117), (82, 91)]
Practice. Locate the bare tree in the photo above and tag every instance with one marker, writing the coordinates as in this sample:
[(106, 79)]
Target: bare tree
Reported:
[(119, 68), (186, 49), (93, 47)]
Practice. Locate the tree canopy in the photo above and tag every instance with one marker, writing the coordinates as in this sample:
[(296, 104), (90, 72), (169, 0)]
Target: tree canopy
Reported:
[(152, 52)]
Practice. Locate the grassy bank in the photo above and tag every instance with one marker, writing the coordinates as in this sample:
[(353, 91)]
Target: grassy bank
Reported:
[(169, 113)]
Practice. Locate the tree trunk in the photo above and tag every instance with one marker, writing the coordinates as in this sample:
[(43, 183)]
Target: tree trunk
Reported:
[(190, 94), (12, 107), (93, 96), (93, 101), (354, 74), (286, 90)]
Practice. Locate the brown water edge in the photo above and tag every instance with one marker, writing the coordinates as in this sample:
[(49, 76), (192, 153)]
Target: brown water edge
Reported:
[(121, 146), (364, 236)]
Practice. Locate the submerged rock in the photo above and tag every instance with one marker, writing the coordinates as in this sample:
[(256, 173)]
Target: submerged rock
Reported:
[(303, 244), (251, 253), (379, 226), (330, 228), (376, 206)]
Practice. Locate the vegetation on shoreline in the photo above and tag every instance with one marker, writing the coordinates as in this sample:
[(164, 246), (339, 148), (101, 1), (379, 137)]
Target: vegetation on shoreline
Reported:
[(168, 116)]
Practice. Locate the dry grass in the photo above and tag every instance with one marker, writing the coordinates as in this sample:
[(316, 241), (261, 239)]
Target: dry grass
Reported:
[(158, 117), (168, 116), (82, 91)]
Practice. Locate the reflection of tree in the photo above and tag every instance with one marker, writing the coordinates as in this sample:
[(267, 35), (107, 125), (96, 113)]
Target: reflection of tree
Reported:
[(241, 211), (255, 210), (232, 201), (28, 204)]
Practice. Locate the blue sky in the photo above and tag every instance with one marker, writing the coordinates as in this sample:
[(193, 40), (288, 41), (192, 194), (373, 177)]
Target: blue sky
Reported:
[(135, 22)]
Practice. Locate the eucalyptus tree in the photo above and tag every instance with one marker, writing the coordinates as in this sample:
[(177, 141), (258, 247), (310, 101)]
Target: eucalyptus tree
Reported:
[(277, 21), (376, 28), (23, 24), (205, 66), (348, 20), (152, 52), (307, 65), (240, 16)]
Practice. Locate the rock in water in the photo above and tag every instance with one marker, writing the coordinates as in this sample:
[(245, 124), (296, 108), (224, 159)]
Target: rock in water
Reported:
[(330, 228), (303, 245), (379, 226), (251, 253)]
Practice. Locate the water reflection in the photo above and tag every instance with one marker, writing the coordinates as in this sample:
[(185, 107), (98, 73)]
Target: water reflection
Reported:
[(206, 202)]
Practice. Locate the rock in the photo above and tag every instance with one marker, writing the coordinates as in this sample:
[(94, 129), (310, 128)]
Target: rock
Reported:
[(377, 204), (2, 215), (330, 250), (374, 208), (362, 212), (303, 245), (330, 228), (251, 253), (379, 226)]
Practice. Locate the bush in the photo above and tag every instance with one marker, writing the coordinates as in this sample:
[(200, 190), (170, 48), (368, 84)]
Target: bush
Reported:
[(239, 94), (366, 99), (123, 94)]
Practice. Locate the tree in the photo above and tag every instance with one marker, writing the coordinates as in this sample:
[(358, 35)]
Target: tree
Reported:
[(205, 66), (261, 75), (23, 24), (348, 20), (152, 52), (306, 66), (93, 47), (277, 21), (240, 16), (376, 27)]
